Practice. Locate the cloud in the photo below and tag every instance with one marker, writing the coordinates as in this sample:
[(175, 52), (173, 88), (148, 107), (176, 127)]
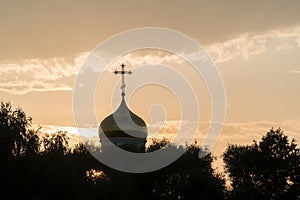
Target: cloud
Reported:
[(54, 74), (150, 56), (18, 78), (284, 46), (247, 45), (293, 72), (23, 87), (242, 46), (30, 75)]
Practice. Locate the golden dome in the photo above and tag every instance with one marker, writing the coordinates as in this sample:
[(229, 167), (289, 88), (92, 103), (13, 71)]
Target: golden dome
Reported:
[(124, 129), (123, 123)]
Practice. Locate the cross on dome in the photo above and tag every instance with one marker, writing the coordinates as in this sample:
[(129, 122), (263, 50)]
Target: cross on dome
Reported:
[(123, 127), (123, 72)]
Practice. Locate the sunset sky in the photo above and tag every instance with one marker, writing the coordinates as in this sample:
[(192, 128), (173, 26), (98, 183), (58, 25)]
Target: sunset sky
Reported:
[(255, 45)]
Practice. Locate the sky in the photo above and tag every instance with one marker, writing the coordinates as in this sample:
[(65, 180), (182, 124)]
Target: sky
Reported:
[(255, 45)]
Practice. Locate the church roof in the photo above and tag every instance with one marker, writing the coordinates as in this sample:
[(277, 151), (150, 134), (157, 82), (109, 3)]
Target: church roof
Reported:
[(123, 123)]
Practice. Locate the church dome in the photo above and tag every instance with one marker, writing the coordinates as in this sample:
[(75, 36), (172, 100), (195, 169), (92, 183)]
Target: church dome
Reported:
[(123, 123), (123, 128)]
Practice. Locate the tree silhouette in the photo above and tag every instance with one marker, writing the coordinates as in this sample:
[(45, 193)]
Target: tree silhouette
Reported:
[(17, 141), (13, 132), (189, 177), (33, 166), (269, 169), (37, 167)]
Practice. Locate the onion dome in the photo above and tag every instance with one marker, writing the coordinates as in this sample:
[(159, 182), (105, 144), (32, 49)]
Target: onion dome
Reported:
[(123, 123)]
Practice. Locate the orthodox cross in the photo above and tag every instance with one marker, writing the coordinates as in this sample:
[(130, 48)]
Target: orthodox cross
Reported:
[(123, 72)]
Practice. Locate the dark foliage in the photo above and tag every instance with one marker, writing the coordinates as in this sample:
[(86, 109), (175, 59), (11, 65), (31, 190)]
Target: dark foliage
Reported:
[(46, 167), (33, 167), (269, 169)]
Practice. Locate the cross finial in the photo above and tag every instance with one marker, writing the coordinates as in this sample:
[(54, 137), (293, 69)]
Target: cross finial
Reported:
[(123, 72)]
